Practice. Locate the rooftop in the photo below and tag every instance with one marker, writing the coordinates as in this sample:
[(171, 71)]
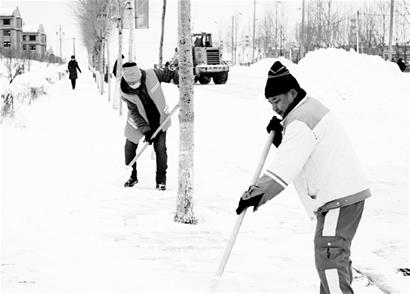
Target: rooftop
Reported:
[(9, 11)]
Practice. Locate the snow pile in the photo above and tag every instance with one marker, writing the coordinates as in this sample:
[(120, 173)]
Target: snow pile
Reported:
[(29, 85), (371, 92), (370, 95), (350, 75)]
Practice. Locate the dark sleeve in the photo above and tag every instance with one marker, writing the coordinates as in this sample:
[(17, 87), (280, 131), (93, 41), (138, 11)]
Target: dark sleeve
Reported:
[(136, 117), (166, 75), (114, 70), (76, 64)]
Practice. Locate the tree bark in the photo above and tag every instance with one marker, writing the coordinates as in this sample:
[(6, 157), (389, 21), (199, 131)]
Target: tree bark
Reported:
[(117, 99), (161, 41), (184, 209)]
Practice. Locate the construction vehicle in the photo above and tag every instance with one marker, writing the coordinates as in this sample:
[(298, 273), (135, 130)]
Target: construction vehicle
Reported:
[(207, 60)]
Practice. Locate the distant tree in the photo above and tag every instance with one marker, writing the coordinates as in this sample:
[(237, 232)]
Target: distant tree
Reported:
[(184, 211), (95, 18), (265, 33)]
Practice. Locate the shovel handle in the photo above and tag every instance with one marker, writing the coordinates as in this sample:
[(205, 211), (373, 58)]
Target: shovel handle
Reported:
[(241, 216), (153, 135)]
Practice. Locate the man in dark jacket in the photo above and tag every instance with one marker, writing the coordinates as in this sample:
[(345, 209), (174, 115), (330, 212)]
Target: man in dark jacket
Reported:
[(72, 69), (401, 64), (141, 90)]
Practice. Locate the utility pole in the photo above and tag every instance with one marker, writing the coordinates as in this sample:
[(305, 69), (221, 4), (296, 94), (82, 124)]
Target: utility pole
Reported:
[(391, 29), (61, 50), (357, 33), (253, 32)]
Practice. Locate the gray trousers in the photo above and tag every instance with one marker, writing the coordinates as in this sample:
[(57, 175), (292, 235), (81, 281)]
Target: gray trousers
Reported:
[(335, 230)]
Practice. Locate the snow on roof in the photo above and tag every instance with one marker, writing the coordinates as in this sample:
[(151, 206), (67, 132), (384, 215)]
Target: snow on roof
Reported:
[(30, 28), (9, 11)]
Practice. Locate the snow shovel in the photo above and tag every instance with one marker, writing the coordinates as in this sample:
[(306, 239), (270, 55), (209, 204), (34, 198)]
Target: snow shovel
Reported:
[(240, 217), (153, 135)]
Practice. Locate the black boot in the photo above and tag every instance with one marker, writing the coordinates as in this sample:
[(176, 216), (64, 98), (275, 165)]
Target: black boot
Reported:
[(131, 182), (161, 186)]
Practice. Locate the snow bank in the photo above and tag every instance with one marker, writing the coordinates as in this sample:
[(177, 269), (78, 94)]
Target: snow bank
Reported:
[(358, 88), (29, 85)]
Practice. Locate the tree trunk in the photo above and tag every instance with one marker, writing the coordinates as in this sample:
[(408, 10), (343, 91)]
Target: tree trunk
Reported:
[(161, 41), (184, 211), (117, 99), (102, 64), (108, 71)]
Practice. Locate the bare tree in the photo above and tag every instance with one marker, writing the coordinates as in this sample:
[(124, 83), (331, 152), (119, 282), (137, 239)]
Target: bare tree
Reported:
[(184, 209), (95, 18), (266, 28)]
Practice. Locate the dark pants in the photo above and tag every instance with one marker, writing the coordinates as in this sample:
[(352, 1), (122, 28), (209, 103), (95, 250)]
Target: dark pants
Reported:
[(335, 230), (159, 142), (73, 83)]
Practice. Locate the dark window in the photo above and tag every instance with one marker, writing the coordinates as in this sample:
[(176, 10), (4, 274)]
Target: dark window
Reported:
[(32, 37), (6, 44), (32, 47), (24, 47), (6, 21), (7, 32)]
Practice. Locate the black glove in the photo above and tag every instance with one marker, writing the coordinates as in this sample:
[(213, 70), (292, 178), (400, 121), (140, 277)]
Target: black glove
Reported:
[(248, 200), (274, 125), (148, 136)]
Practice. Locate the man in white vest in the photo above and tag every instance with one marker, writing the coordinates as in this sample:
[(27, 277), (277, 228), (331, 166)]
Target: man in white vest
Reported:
[(314, 153), (141, 90)]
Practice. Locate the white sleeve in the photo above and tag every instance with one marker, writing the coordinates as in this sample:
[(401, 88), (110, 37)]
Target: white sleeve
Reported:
[(292, 154)]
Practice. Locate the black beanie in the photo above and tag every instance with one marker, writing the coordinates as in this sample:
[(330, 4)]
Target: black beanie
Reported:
[(280, 81)]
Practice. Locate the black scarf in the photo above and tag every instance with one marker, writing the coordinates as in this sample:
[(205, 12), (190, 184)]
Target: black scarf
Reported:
[(151, 110), (299, 97)]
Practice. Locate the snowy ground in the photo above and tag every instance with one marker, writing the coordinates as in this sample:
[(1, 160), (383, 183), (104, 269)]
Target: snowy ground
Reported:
[(68, 225)]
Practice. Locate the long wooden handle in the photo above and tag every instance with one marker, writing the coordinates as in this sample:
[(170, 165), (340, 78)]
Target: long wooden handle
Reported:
[(154, 135), (240, 217)]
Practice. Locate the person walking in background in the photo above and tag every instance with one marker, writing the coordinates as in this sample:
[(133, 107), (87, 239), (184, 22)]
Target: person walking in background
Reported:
[(142, 91), (72, 69), (316, 155), (401, 64)]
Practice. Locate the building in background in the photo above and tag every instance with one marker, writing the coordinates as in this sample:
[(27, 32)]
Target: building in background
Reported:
[(30, 41), (34, 41), (11, 34)]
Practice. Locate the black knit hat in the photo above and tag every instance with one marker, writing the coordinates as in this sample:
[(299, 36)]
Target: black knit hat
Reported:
[(280, 81)]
